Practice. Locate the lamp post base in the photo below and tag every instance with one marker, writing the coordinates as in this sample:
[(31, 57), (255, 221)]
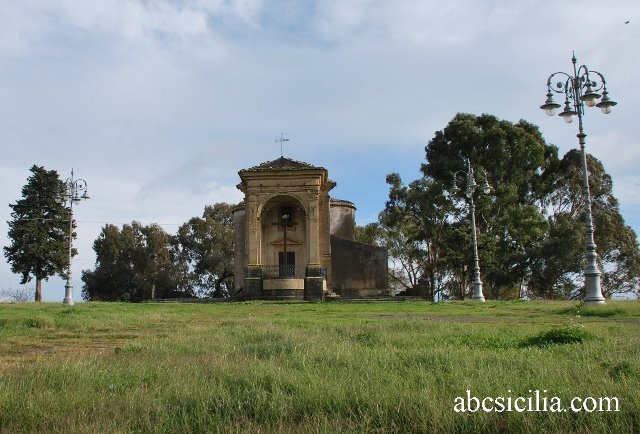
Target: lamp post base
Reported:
[(592, 291), (477, 292), (68, 295)]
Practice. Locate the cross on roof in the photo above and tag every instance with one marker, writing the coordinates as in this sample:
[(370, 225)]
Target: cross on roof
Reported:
[(281, 140)]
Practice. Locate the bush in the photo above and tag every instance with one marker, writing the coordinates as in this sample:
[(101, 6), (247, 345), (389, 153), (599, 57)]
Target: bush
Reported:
[(564, 335)]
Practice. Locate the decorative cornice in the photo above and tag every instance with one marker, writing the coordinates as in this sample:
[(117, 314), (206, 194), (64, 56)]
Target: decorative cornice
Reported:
[(340, 202)]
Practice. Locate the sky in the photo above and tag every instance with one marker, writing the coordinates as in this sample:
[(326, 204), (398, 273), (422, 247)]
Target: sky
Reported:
[(158, 103)]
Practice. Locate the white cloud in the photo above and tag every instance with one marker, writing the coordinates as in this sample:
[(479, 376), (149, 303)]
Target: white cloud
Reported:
[(621, 151), (335, 21)]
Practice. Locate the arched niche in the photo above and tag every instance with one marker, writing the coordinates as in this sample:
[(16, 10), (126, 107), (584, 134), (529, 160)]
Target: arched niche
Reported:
[(284, 214)]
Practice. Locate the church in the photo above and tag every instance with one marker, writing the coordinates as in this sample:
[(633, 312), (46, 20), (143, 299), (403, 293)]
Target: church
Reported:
[(293, 240)]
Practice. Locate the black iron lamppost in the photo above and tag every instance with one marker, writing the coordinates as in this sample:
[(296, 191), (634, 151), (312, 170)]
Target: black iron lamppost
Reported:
[(74, 191), (579, 89), (470, 188)]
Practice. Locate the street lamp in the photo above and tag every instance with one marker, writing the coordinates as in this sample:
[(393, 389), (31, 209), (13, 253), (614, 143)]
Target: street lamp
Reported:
[(580, 89), (73, 188), (469, 190)]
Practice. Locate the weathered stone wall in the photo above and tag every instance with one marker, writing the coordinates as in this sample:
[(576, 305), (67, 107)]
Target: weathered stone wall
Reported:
[(342, 220), (282, 284), (358, 268)]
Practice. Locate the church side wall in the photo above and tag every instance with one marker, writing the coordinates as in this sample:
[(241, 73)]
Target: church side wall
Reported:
[(358, 269), (342, 219)]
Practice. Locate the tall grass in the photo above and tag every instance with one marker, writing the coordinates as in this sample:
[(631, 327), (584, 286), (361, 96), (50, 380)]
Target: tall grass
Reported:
[(323, 367)]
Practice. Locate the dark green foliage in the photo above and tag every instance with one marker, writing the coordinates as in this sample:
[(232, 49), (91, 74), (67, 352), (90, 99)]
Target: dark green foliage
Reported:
[(39, 229), (563, 335), (531, 233), (131, 264), (136, 261), (433, 224), (624, 370), (205, 245), (370, 233), (410, 227), (514, 157), (557, 269)]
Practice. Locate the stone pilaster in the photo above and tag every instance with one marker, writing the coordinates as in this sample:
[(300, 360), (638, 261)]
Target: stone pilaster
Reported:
[(253, 231), (314, 230), (253, 282), (314, 283)]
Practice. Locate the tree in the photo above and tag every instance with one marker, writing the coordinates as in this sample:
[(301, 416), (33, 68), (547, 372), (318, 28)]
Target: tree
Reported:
[(530, 228), (559, 267), (206, 246), (39, 231), (414, 222), (371, 233), (510, 226), (133, 264)]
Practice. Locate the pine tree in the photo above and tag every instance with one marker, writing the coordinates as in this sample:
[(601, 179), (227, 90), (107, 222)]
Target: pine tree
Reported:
[(39, 229)]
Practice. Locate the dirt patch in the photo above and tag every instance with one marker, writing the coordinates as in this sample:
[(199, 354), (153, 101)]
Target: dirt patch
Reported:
[(21, 355)]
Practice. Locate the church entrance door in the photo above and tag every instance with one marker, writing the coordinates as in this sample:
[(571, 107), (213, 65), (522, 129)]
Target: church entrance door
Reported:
[(287, 264)]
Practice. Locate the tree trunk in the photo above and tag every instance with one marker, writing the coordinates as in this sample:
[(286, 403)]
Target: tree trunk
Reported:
[(217, 290), (38, 289)]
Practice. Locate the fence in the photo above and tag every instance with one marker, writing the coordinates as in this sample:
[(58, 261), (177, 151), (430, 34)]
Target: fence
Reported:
[(284, 272)]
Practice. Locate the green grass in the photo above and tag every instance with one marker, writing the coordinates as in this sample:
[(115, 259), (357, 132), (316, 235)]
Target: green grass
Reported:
[(313, 367)]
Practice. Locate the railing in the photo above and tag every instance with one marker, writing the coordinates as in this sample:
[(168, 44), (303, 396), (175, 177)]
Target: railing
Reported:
[(283, 272)]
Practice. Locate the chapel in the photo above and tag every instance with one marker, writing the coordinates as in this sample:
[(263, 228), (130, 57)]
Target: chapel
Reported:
[(293, 240)]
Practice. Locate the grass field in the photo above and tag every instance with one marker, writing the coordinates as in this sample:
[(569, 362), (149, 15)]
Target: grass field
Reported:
[(314, 367)]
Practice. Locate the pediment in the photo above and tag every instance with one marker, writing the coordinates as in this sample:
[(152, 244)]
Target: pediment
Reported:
[(290, 242)]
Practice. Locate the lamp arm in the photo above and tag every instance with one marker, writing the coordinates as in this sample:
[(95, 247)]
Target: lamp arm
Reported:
[(582, 74), (598, 86), (561, 85)]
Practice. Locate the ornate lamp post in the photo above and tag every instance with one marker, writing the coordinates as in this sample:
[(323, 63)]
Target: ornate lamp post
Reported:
[(469, 190), (579, 89), (73, 188)]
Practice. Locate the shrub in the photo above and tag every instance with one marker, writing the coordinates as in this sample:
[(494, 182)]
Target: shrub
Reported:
[(563, 335)]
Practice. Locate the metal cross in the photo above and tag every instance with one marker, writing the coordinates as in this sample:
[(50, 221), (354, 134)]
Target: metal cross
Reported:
[(281, 140)]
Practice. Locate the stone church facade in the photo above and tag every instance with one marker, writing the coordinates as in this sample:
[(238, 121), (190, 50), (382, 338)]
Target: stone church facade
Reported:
[(292, 240)]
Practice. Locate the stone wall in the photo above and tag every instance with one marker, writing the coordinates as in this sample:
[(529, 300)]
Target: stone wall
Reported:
[(342, 220), (358, 269)]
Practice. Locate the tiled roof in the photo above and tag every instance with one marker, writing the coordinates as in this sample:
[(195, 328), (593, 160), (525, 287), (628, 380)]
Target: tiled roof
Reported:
[(282, 163)]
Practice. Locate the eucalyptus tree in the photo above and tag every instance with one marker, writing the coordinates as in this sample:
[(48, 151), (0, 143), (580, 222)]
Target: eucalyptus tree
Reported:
[(134, 263), (415, 224), (510, 226), (205, 245), (529, 226), (559, 266)]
